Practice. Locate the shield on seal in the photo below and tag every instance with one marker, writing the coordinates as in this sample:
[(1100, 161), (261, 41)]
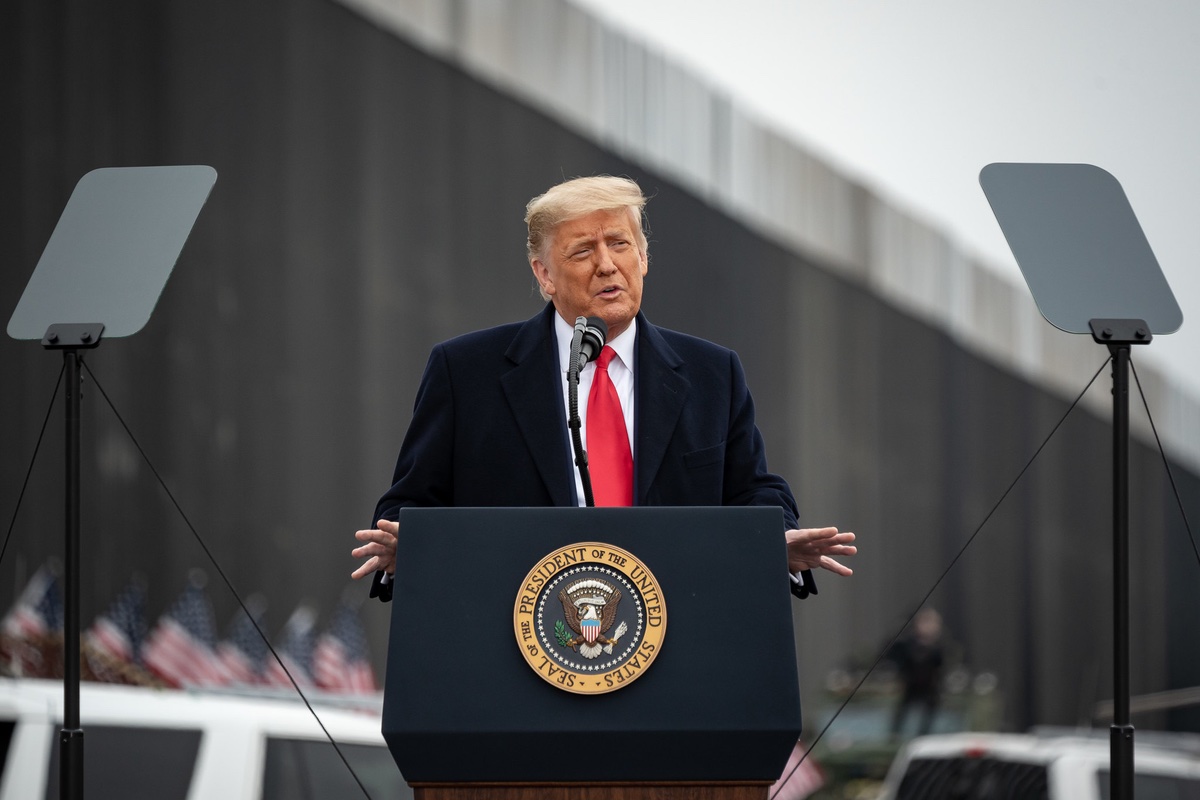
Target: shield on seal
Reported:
[(590, 628)]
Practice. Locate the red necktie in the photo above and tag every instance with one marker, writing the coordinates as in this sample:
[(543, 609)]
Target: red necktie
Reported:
[(609, 459)]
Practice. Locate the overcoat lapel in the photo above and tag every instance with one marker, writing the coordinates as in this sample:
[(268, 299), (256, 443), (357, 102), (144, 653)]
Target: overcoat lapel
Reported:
[(661, 392), (534, 393)]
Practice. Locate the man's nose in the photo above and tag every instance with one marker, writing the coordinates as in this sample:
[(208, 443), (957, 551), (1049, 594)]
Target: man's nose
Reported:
[(604, 261)]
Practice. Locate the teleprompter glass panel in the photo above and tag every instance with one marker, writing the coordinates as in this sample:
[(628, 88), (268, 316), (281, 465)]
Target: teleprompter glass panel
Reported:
[(1079, 245)]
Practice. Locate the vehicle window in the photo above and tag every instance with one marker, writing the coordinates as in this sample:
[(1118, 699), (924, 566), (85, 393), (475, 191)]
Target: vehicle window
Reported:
[(132, 763), (301, 769), (973, 779), (6, 733), (1153, 787)]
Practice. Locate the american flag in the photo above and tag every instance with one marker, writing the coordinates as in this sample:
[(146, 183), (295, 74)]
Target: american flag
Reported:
[(38, 611), (244, 652), (299, 638), (31, 632), (180, 649), (341, 662), (799, 782), (118, 633)]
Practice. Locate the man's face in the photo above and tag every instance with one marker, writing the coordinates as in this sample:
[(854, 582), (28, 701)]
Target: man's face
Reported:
[(593, 267)]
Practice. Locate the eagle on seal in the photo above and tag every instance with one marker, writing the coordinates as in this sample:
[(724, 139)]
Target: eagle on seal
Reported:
[(591, 617)]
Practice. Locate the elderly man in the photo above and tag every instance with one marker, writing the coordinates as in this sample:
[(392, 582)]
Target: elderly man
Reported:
[(672, 422)]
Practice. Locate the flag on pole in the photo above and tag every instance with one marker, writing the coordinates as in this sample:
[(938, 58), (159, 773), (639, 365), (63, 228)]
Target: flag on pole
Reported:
[(341, 662), (39, 609), (112, 646), (117, 634), (244, 651), (31, 632), (181, 648), (296, 651)]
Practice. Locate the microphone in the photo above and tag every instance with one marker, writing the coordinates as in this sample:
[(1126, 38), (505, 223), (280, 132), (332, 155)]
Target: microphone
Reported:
[(586, 343), (595, 333)]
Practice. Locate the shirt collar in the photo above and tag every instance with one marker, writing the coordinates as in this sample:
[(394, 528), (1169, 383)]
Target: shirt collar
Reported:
[(623, 344)]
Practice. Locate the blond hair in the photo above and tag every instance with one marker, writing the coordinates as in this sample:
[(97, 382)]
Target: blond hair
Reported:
[(577, 198)]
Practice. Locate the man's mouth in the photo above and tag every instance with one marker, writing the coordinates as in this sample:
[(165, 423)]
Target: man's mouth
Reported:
[(609, 291)]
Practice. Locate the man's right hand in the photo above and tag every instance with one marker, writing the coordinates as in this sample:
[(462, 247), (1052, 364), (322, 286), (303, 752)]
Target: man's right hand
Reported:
[(379, 549)]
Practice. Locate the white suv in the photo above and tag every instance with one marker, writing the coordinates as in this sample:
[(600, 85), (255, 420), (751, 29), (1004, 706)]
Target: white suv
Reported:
[(166, 744), (1052, 764)]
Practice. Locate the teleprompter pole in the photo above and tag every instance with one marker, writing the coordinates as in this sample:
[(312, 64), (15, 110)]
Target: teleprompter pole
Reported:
[(71, 736), (72, 339), (1120, 335), (1121, 755)]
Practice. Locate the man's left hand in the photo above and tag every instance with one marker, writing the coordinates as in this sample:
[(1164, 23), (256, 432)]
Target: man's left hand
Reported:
[(810, 548)]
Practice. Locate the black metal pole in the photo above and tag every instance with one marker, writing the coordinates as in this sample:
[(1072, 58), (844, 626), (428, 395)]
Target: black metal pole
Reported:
[(1121, 753), (72, 338), (71, 736)]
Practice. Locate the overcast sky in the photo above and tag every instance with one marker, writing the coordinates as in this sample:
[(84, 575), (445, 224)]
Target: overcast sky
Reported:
[(914, 98)]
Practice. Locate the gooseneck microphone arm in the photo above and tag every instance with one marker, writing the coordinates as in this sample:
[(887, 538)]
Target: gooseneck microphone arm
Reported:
[(586, 343)]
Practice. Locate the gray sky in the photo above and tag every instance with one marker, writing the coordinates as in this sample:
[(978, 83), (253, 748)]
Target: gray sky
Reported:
[(914, 98)]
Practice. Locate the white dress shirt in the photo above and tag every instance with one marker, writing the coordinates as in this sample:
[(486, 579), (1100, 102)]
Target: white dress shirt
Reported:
[(620, 371)]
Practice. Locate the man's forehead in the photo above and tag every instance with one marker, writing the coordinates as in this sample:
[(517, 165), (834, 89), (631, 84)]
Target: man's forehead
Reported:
[(617, 220)]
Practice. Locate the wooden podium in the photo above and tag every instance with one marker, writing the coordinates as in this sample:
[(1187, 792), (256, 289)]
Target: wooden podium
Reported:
[(714, 716)]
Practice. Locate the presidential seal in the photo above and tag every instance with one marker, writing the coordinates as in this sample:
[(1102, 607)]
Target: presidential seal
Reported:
[(590, 618)]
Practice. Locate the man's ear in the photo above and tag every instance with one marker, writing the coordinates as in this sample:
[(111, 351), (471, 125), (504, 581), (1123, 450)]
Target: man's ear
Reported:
[(541, 274)]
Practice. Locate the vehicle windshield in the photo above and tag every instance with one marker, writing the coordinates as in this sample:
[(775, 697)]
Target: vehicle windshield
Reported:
[(132, 762), (301, 769), (1153, 787), (973, 779)]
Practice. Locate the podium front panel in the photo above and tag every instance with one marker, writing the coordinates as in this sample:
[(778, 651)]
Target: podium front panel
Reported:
[(720, 701)]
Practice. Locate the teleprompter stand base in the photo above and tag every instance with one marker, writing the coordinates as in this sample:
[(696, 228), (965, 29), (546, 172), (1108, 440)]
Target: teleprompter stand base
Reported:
[(710, 790)]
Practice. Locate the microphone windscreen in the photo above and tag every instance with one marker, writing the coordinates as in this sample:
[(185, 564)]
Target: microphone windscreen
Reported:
[(601, 328), (594, 336)]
